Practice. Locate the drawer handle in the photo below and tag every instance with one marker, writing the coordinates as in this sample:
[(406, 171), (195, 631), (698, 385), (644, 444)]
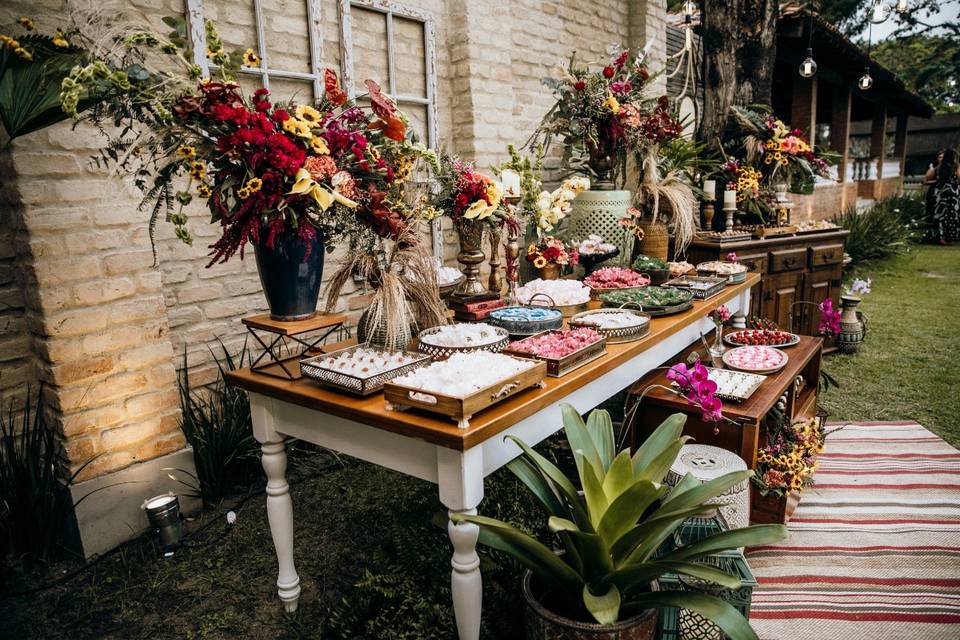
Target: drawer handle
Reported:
[(505, 390)]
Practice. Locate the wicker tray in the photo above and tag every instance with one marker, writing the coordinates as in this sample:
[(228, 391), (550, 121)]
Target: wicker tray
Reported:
[(312, 368), (400, 397), (702, 288), (557, 367), (614, 336), (441, 353)]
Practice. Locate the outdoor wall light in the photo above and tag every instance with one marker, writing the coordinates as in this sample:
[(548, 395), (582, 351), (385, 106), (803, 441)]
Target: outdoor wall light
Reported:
[(808, 68), (163, 513), (865, 81), (881, 11), (903, 6)]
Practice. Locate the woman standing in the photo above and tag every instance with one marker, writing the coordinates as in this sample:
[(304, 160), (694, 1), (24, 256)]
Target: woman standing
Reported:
[(946, 199)]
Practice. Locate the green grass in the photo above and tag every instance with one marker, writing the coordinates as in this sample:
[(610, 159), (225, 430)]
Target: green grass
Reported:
[(370, 562), (909, 365)]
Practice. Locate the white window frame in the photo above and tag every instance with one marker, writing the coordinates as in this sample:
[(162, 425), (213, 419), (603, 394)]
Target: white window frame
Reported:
[(263, 72)]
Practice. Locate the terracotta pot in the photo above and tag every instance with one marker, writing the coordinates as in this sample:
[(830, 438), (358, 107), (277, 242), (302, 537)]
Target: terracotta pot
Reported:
[(543, 624), (550, 272), (772, 508), (656, 239)]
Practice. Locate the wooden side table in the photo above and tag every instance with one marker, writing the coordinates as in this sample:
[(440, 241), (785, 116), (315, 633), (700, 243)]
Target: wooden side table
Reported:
[(796, 383), (283, 336)]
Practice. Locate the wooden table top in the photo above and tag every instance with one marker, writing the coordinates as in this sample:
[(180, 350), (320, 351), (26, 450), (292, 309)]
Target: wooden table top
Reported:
[(756, 243), (754, 407), (444, 432), (294, 327)]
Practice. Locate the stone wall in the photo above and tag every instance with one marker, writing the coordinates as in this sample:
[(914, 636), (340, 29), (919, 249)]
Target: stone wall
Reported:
[(83, 307)]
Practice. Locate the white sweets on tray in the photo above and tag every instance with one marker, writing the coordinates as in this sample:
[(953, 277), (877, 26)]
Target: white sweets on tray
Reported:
[(464, 373), (462, 335), (562, 292), (613, 320), (364, 363)]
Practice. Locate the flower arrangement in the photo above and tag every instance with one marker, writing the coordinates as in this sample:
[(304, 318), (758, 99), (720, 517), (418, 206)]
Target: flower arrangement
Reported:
[(753, 194), (696, 386), (859, 287), (553, 206), (552, 250), (720, 315), (785, 146), (788, 461), (631, 222), (467, 195), (601, 113)]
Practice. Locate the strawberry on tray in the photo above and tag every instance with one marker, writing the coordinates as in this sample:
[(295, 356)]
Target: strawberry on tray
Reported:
[(767, 337)]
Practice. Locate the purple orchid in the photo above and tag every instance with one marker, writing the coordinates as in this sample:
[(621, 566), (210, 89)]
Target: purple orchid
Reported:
[(731, 257), (829, 319), (699, 390)]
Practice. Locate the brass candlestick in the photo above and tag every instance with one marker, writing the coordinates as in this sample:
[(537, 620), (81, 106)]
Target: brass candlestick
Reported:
[(708, 216), (512, 253), (495, 281)]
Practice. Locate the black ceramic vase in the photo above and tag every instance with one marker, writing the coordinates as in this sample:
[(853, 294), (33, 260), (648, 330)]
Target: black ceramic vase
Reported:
[(290, 274)]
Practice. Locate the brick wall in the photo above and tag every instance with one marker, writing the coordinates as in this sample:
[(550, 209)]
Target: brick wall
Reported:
[(84, 309)]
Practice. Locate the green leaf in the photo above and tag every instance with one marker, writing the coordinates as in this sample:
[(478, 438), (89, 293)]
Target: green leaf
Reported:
[(594, 553), (600, 428), (528, 551), (530, 476), (578, 437), (656, 470), (668, 432), (592, 490), (605, 609), (624, 512), (714, 609), (642, 541), (746, 537), (631, 576), (702, 493), (560, 481), (619, 476)]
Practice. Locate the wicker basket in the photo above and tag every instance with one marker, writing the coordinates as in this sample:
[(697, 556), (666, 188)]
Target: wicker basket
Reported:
[(656, 239)]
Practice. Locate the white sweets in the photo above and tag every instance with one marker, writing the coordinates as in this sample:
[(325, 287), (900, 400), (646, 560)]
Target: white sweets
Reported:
[(562, 292), (364, 363), (464, 373), (612, 320), (463, 335), (447, 275)]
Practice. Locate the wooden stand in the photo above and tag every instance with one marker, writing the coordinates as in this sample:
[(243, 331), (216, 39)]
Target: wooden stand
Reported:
[(284, 336), (771, 508)]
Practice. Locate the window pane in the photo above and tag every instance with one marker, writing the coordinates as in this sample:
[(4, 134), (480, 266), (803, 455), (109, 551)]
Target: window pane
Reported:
[(369, 31), (249, 83), (409, 57), (299, 90), (417, 116), (235, 22), (286, 33)]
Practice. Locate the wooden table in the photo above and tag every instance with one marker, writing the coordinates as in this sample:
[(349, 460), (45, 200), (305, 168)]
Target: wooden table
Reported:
[(434, 449), (800, 401)]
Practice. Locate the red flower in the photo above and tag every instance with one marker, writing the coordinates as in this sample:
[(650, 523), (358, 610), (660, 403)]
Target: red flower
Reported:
[(579, 85), (622, 58), (334, 93), (608, 72), (644, 73)]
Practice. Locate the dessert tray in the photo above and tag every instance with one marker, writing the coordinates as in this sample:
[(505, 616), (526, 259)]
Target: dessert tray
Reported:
[(735, 385), (614, 279), (656, 301), (446, 340), (616, 325), (360, 369), (755, 359), (563, 351), (526, 320), (702, 287), (734, 272), (569, 296), (464, 384), (767, 337)]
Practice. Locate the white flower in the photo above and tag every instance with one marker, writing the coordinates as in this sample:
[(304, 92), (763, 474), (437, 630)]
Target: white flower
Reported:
[(231, 517)]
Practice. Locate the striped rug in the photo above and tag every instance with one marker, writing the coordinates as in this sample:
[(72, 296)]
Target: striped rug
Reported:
[(874, 547)]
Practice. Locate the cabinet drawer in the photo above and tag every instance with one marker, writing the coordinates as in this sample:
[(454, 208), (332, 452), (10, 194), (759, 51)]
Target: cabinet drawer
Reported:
[(788, 260), (756, 262), (827, 254)]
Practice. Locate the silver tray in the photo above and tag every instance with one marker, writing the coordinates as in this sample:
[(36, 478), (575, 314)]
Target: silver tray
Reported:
[(714, 285), (441, 353), (558, 367), (735, 385), (616, 335), (793, 341), (526, 327), (311, 368), (734, 278)]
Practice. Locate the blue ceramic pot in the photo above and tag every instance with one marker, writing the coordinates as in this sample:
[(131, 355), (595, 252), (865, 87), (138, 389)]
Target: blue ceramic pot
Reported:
[(290, 274)]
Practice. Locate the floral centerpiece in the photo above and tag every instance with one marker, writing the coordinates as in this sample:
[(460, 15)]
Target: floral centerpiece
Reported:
[(550, 254), (789, 459), (553, 206), (719, 316)]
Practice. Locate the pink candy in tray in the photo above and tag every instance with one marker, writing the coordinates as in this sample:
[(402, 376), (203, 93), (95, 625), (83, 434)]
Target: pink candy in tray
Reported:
[(556, 344), (615, 278), (756, 358)]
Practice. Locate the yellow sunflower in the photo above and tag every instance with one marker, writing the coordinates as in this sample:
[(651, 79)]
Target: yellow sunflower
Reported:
[(250, 58), (540, 262), (298, 128), (253, 185), (186, 151), (60, 40), (307, 114), (26, 23), (319, 146)]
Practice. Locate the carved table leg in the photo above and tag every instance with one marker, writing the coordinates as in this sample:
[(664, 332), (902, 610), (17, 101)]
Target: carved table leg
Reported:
[(280, 515), (465, 581)]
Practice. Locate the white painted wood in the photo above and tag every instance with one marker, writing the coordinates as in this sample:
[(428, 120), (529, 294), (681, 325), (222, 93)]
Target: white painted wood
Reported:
[(466, 584), (315, 33), (280, 515), (197, 34), (460, 477)]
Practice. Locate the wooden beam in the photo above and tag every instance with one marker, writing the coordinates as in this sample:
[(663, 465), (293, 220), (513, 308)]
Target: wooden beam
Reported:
[(803, 106), (900, 142), (878, 137)]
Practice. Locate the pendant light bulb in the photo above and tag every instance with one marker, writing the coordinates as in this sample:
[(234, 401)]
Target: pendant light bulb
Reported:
[(880, 12), (808, 68), (903, 6), (689, 8), (865, 81)]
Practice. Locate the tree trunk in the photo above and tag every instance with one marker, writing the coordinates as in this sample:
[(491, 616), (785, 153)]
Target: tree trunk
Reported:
[(739, 49)]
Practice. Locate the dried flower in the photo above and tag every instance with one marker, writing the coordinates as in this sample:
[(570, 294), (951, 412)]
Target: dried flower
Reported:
[(250, 58)]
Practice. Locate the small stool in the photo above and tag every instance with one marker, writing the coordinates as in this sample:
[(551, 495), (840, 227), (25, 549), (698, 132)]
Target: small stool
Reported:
[(280, 332), (706, 463)]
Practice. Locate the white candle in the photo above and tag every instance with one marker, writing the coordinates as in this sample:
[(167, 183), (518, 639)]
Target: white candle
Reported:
[(729, 199), (710, 190), (511, 183)]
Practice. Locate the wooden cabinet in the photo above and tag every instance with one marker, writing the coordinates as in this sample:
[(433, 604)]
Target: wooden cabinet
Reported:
[(799, 268)]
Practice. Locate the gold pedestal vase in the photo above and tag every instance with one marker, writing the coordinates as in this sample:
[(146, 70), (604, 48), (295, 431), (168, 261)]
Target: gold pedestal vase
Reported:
[(471, 256)]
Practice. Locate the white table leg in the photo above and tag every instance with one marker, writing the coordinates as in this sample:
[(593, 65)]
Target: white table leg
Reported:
[(280, 515), (739, 319), (460, 478)]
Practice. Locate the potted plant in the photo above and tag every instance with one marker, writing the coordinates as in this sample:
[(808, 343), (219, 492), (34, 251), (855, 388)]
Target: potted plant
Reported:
[(611, 523), (550, 255)]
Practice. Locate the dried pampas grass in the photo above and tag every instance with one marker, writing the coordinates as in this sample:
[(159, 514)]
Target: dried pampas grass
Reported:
[(669, 195)]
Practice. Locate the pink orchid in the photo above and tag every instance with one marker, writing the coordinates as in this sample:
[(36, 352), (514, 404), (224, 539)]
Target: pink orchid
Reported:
[(731, 257), (829, 319)]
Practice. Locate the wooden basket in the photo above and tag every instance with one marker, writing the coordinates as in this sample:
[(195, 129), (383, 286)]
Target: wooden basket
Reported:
[(557, 367), (400, 397)]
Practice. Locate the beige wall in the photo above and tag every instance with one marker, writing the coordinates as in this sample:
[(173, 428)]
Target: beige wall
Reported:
[(83, 308)]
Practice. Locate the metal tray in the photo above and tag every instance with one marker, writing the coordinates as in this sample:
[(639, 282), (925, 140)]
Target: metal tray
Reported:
[(610, 300), (617, 335), (767, 371), (736, 386), (440, 353), (311, 368), (526, 327), (557, 367), (714, 285), (795, 339), (703, 269)]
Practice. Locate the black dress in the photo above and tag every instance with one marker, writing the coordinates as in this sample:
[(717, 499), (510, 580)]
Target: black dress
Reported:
[(946, 210)]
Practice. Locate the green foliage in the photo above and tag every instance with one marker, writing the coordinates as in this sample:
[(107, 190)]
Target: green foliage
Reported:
[(612, 532), (217, 424), (886, 228), (34, 504), (928, 65)]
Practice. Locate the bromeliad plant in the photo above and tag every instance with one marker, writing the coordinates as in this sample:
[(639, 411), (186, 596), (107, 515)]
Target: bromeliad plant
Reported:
[(612, 532)]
